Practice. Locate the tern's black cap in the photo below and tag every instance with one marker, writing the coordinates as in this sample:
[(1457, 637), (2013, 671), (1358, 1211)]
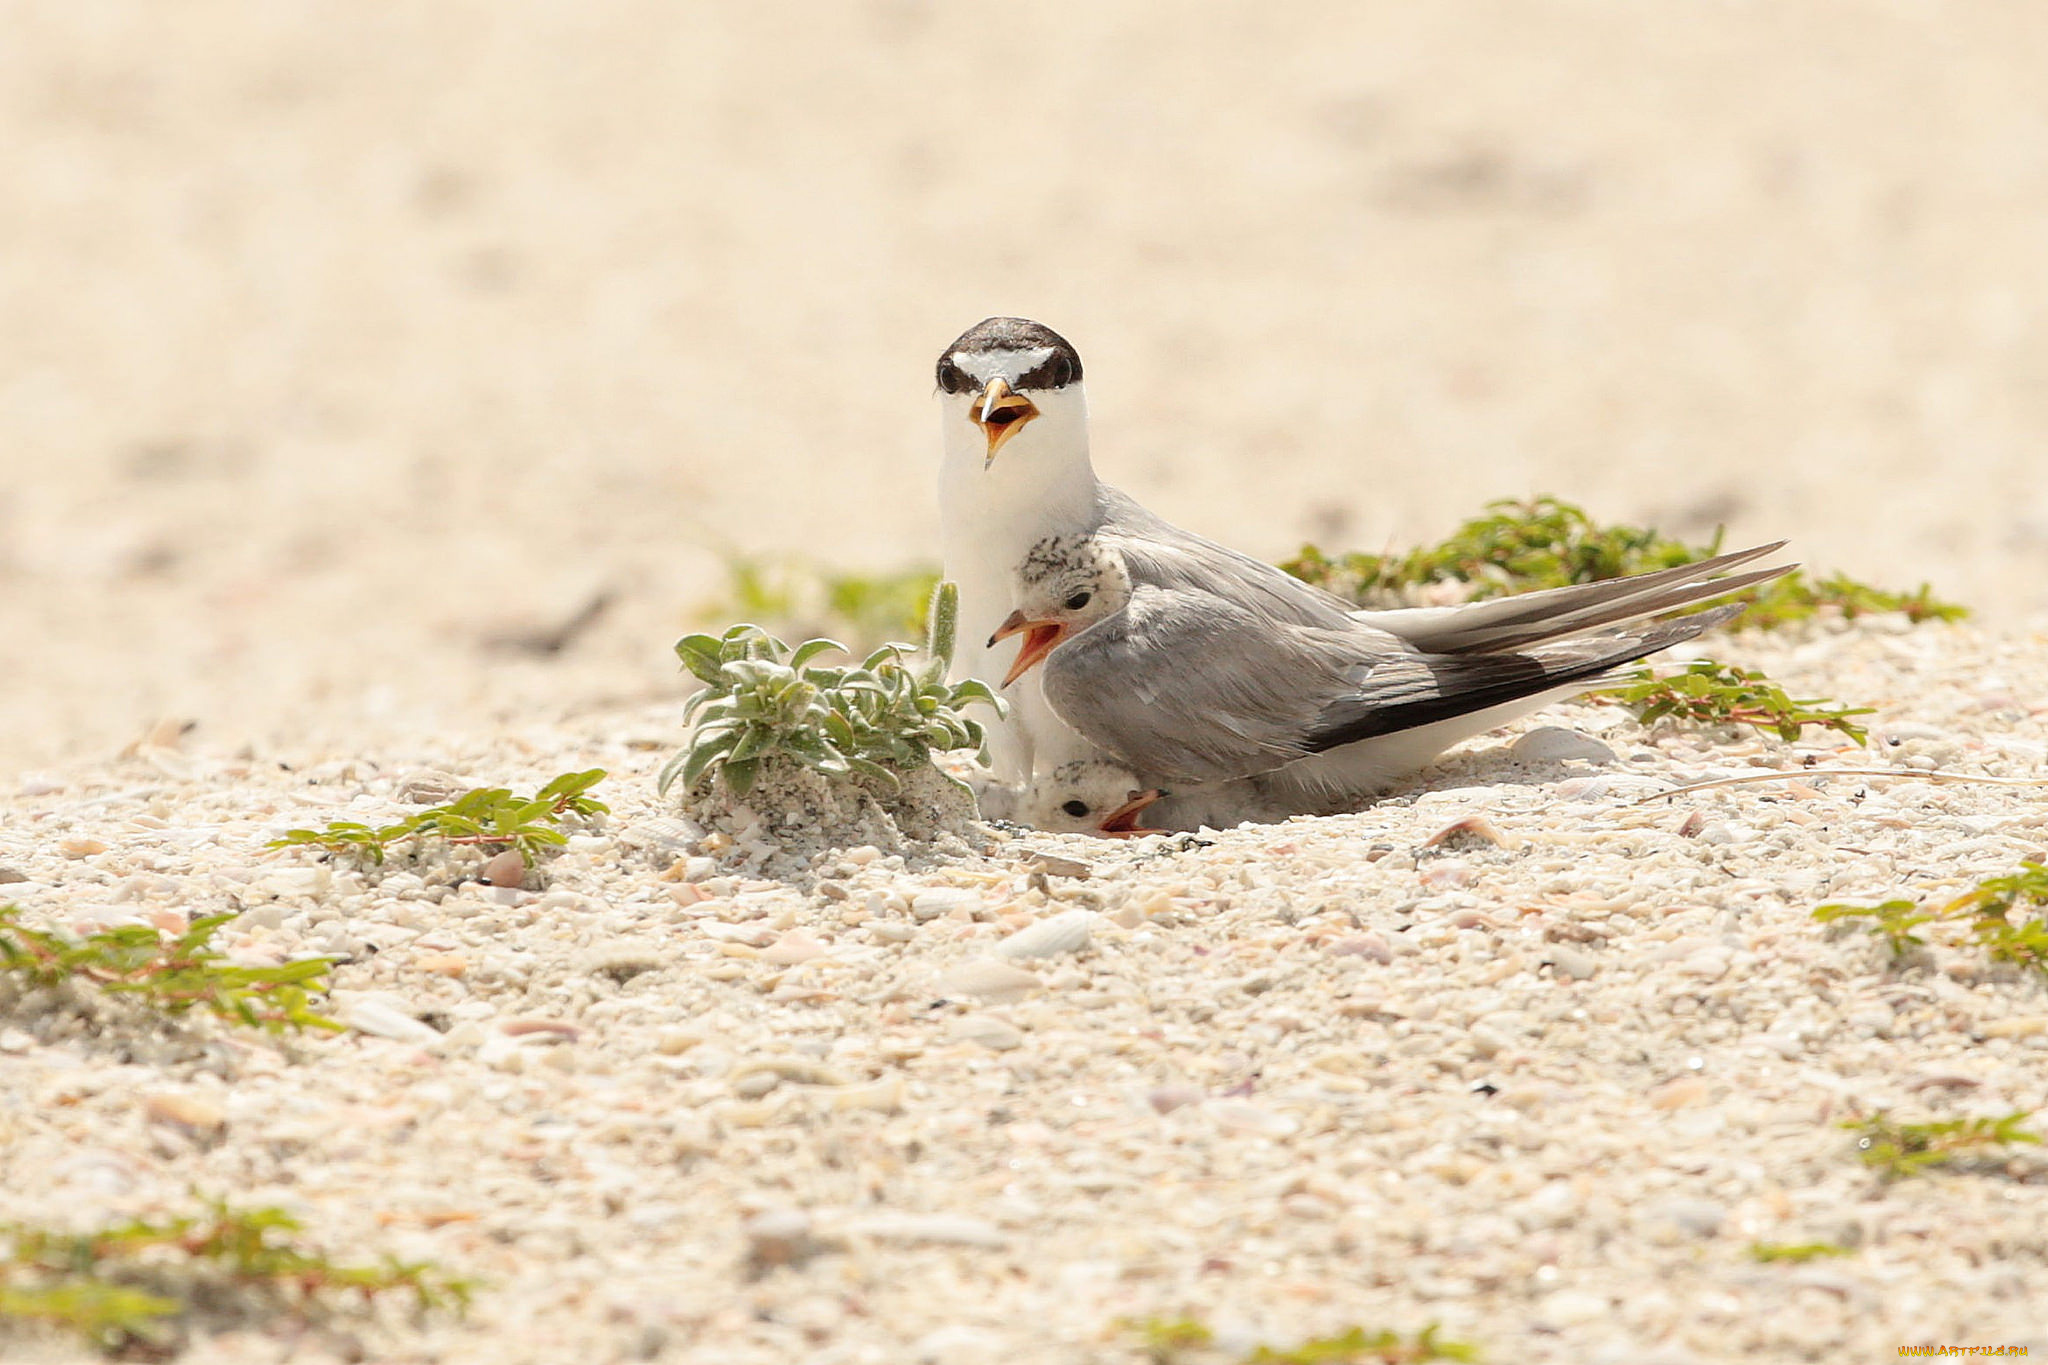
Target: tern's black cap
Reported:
[(1012, 335)]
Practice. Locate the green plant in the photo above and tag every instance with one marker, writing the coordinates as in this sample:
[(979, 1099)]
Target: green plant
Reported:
[(1903, 1149), (1358, 1347), (1520, 545), (1165, 1340), (1987, 907), (172, 974), (1990, 905), (118, 1286), (1795, 597), (787, 594), (1796, 1252), (1716, 694), (490, 817), (882, 718), (1895, 920)]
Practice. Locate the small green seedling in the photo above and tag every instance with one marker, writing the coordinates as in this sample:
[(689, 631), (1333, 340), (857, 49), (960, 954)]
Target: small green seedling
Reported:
[(1521, 545), (1166, 1341), (1902, 1149), (119, 1287), (1360, 1347), (764, 701), (1797, 1252), (1986, 908), (1708, 693), (1990, 906), (1894, 920), (174, 975), (490, 818)]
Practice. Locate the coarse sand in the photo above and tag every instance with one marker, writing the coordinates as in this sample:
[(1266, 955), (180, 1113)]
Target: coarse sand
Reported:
[(1525, 1050)]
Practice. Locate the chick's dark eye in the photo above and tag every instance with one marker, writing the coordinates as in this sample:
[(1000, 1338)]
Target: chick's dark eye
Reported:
[(950, 377), (1075, 808), (1078, 601)]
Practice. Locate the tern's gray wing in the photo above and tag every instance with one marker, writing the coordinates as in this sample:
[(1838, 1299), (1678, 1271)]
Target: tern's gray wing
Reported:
[(1187, 687), (1158, 553), (1530, 618)]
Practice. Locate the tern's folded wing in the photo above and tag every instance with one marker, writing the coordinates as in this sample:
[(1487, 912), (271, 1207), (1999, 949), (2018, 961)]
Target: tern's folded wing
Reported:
[(1184, 687), (1159, 554)]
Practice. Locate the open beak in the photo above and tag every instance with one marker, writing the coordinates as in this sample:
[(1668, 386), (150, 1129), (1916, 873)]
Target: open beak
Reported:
[(1000, 414), (1122, 823), (1039, 639)]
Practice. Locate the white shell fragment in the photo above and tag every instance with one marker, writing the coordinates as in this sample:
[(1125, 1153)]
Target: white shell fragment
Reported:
[(1066, 932), (990, 980), (1555, 744)]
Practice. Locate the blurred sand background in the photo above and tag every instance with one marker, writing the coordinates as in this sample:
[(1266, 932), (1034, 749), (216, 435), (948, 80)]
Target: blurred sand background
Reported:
[(333, 340)]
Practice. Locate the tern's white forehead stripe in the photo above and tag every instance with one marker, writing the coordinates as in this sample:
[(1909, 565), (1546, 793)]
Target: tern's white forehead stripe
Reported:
[(1004, 365)]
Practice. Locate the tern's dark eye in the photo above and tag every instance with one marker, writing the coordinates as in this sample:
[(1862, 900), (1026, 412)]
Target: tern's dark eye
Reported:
[(1077, 809), (952, 378), (1078, 601)]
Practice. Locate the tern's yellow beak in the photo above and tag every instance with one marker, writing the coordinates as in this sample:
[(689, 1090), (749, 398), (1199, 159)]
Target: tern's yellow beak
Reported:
[(1000, 414)]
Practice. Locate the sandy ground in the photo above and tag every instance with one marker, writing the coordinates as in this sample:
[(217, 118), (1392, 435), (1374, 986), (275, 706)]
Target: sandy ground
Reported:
[(1526, 1051), (334, 345), (331, 342)]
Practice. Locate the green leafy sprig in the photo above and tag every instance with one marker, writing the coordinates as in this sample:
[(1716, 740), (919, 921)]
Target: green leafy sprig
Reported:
[(1521, 545), (1987, 909), (882, 718), (490, 817), (1715, 694), (1902, 1149), (1517, 545), (117, 1287), (1166, 1341), (175, 974)]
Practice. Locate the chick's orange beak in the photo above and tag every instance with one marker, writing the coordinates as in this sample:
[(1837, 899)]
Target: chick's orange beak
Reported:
[(1039, 639), (1122, 823), (1000, 414)]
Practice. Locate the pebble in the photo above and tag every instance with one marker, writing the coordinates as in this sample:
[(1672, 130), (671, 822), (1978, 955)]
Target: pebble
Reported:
[(751, 935), (78, 846), (1471, 831), (995, 1034), (10, 875), (1067, 932), (783, 1237), (621, 961), (200, 1117), (1575, 964), (1555, 744), (1243, 1116), (929, 905), (380, 1016), (507, 868), (1565, 1308), (794, 948), (990, 980), (928, 1229)]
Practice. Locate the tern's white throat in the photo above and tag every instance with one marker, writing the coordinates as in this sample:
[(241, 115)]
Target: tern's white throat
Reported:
[(1039, 477)]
